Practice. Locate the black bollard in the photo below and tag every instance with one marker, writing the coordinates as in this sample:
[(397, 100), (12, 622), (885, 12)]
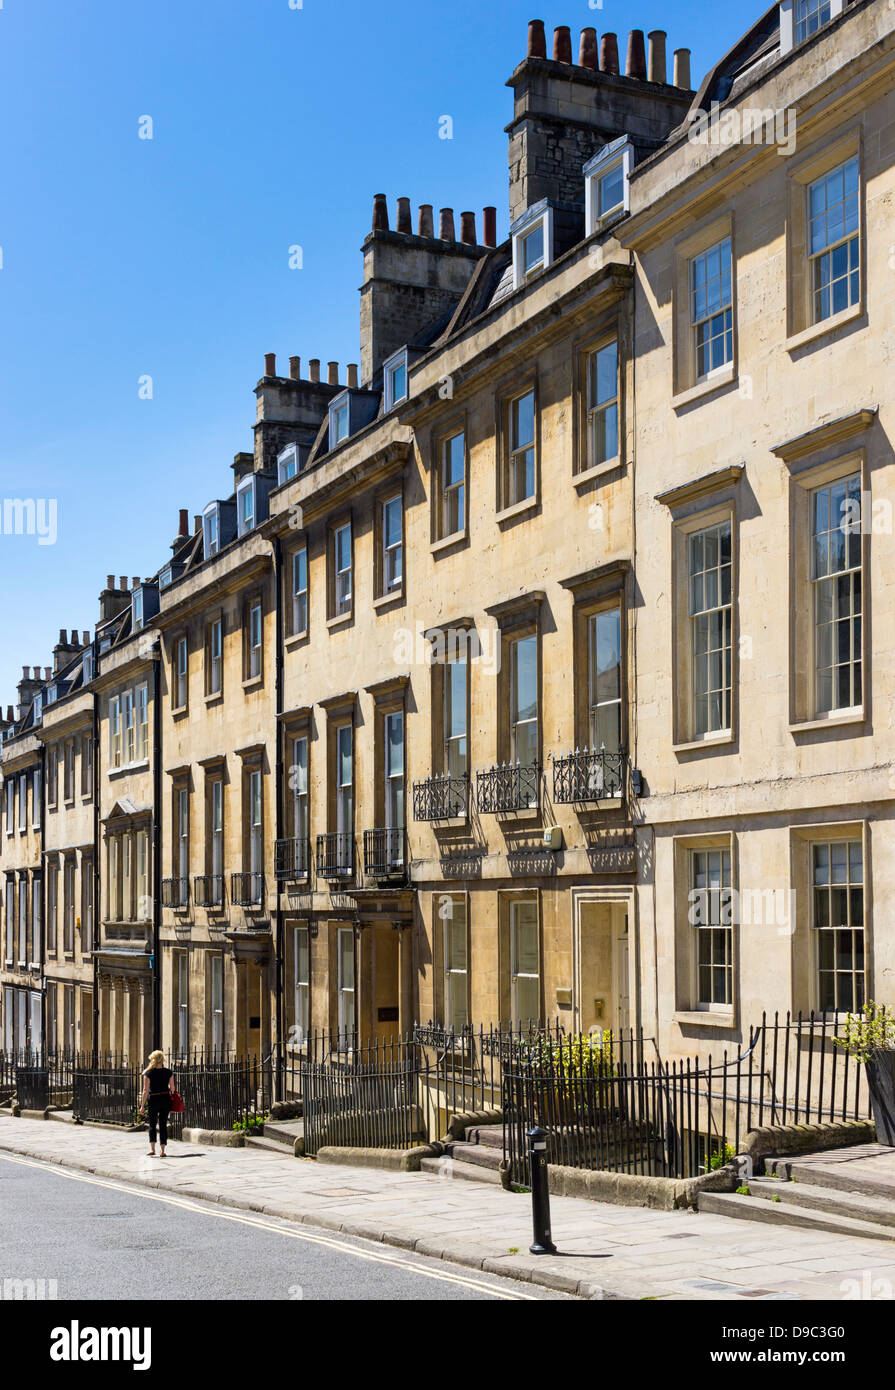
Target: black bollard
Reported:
[(540, 1192)]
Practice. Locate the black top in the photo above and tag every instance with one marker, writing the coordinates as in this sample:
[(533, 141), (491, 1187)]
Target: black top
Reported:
[(158, 1078)]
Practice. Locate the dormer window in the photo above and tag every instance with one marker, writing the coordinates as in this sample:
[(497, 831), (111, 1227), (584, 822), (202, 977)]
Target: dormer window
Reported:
[(288, 464), (532, 243), (171, 572), (245, 506), (38, 707), (87, 669), (338, 422), (396, 379), (137, 608), (144, 605), (211, 530), (606, 183), (801, 19)]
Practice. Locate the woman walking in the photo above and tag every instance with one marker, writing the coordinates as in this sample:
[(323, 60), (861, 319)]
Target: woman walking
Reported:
[(158, 1086)]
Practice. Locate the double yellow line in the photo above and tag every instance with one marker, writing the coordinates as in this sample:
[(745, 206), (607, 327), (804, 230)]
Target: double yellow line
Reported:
[(309, 1237)]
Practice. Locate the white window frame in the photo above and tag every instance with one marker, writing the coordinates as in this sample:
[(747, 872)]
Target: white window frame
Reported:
[(337, 407), (36, 800), (454, 492), (37, 912), (245, 517), (519, 452), (847, 885), (715, 901), (216, 1002), (23, 802), (452, 912), (10, 805), (300, 606), (517, 721), (393, 774), (342, 594), (181, 673), (392, 554), (141, 721), (346, 986), (254, 639), (831, 581), (827, 250), (597, 411), (520, 233), (705, 611), (256, 834), (788, 23), (137, 610), (725, 308), (216, 656), (455, 741), (619, 154), (211, 531), (288, 464), (182, 1000), (301, 983), (217, 836), (300, 795), (393, 365), (516, 974)]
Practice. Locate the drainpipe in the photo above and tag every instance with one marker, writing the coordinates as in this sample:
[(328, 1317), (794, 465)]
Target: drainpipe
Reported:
[(279, 1013), (97, 916), (156, 854)]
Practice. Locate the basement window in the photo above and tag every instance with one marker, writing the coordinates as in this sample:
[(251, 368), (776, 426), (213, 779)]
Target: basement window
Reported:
[(532, 243), (801, 19), (606, 183)]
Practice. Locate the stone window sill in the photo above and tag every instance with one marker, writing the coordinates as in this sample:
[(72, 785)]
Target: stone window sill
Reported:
[(217, 698), (724, 376), (456, 538), (820, 330), (528, 504), (394, 597), (704, 1018), (596, 470), (296, 640), (340, 620), (834, 721), (253, 683), (699, 745)]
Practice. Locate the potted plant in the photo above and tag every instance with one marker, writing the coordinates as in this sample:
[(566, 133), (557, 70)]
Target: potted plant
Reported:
[(869, 1037)]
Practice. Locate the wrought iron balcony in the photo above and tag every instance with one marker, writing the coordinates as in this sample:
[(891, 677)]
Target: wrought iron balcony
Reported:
[(208, 890), (589, 774), (335, 855), (509, 787), (385, 853), (247, 890), (292, 860), (175, 892), (441, 797)]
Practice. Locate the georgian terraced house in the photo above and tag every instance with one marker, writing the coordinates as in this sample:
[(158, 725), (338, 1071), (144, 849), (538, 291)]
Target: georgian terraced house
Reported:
[(541, 667)]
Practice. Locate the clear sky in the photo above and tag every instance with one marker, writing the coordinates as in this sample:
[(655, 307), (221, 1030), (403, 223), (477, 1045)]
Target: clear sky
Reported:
[(125, 258)]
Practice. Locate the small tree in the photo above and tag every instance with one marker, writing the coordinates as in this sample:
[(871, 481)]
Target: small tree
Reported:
[(867, 1033)]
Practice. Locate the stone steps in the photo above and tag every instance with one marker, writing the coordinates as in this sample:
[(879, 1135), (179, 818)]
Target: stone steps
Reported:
[(479, 1155), (789, 1213), (274, 1146), (831, 1200), (457, 1168)]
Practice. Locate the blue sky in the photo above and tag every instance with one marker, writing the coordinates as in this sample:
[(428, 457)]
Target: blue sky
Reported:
[(124, 258)]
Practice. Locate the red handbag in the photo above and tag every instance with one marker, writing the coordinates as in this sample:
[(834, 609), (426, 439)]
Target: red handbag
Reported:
[(177, 1105)]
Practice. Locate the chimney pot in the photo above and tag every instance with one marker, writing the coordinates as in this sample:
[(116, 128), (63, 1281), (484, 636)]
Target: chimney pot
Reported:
[(36, 675), (352, 375), (197, 523), (682, 68), (636, 65), (562, 44), (62, 639), (657, 65), (48, 673), (270, 364), (380, 212), (426, 223), (404, 222), (332, 373), (314, 368), (184, 523), (609, 53), (122, 583), (467, 228), (135, 582), (446, 227), (537, 39), (489, 221), (110, 581), (9, 715), (295, 368), (587, 57), (25, 670), (85, 639)]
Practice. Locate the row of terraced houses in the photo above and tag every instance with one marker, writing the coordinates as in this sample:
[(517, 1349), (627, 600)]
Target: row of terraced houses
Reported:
[(541, 668)]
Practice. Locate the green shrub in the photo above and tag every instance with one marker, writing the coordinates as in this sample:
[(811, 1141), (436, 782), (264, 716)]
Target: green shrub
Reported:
[(867, 1032), (250, 1123), (743, 1191)]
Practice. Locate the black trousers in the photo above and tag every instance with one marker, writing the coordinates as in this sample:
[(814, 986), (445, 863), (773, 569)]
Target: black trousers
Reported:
[(159, 1110)]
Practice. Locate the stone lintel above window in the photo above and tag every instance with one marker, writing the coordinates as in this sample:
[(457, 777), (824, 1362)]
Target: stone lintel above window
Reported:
[(701, 487), (834, 431)]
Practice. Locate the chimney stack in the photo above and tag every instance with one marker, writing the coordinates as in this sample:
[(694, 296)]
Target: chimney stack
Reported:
[(636, 65), (332, 369), (446, 227), (380, 213), (426, 225), (682, 68), (467, 228), (657, 64), (295, 368), (404, 222), (537, 39), (489, 227), (314, 368), (85, 639), (270, 364), (184, 530), (562, 44), (352, 375), (588, 56), (609, 54), (197, 523)]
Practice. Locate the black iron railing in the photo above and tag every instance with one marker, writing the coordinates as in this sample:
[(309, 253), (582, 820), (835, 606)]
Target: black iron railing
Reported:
[(175, 892), (385, 853), (208, 890), (508, 787), (335, 855), (441, 798), (247, 890), (589, 775), (292, 859)]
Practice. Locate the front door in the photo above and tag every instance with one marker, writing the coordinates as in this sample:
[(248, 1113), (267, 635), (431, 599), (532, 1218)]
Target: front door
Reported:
[(602, 997)]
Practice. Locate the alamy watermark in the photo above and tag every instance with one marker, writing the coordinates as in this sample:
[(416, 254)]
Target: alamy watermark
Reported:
[(743, 907), (751, 126), (29, 1290), (30, 516), (441, 646)]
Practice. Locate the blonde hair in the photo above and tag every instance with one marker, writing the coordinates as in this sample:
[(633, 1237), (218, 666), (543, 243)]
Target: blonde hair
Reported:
[(156, 1059)]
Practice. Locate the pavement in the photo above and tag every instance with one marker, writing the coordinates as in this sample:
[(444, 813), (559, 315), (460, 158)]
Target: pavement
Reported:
[(604, 1251)]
